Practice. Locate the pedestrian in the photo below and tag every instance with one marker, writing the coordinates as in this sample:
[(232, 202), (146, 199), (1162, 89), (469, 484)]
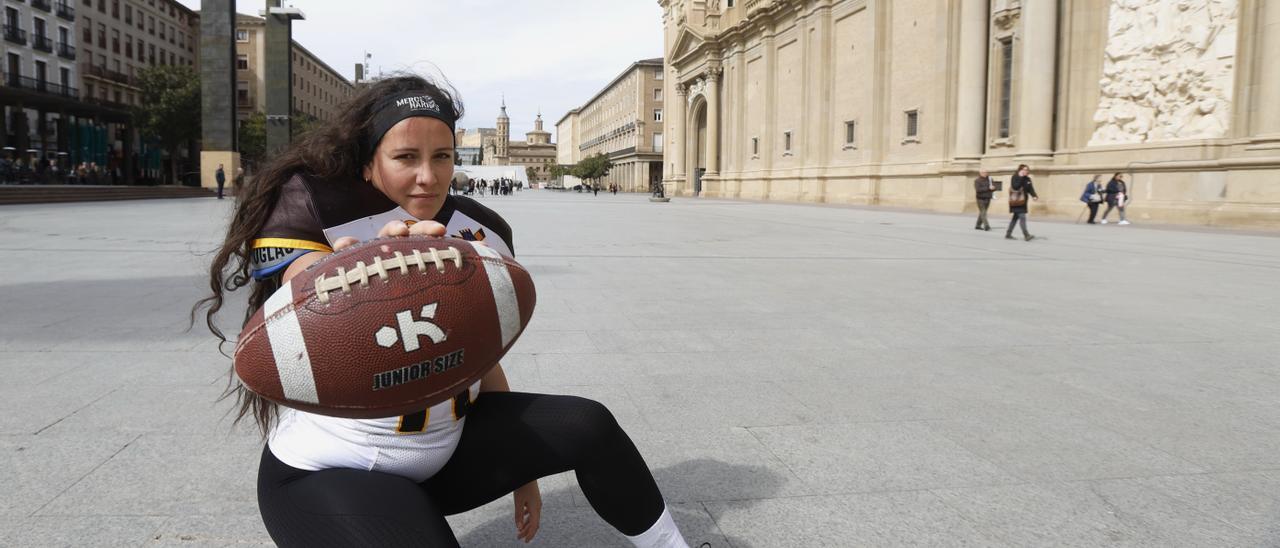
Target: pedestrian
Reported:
[(595, 189), (1019, 188), (391, 482), (1091, 197), (221, 177), (1117, 197), (983, 188)]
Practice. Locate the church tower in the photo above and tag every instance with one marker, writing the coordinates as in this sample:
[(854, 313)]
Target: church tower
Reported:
[(537, 136), (504, 134)]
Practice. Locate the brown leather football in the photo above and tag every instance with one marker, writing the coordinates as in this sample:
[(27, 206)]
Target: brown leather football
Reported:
[(386, 327)]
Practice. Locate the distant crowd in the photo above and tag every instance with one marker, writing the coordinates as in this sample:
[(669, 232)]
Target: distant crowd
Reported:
[(497, 187), (46, 172), (1115, 194)]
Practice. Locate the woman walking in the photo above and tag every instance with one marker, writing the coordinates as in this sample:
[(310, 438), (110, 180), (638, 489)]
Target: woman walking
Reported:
[(1019, 188), (1117, 197), (1092, 197)]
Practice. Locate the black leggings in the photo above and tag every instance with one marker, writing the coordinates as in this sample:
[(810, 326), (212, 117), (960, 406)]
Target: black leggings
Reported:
[(509, 440)]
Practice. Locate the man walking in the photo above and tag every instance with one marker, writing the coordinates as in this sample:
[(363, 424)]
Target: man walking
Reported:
[(984, 188), (221, 177)]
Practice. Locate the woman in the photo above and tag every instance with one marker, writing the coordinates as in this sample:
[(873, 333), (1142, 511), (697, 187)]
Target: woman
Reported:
[(325, 481), (1092, 196), (1117, 197), (1019, 188)]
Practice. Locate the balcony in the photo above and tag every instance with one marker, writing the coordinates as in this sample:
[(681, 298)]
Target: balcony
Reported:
[(105, 74), (42, 86), (66, 51), (15, 35), (42, 5), (65, 11), (42, 43)]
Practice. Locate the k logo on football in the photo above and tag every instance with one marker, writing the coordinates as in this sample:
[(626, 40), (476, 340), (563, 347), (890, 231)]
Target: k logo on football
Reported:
[(410, 329)]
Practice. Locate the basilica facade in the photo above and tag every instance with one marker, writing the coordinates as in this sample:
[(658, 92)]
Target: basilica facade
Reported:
[(900, 102)]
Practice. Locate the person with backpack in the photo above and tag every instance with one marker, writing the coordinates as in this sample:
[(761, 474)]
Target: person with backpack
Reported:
[(1019, 188), (1092, 197)]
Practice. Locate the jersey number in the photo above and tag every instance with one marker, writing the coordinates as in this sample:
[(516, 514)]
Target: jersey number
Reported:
[(417, 422)]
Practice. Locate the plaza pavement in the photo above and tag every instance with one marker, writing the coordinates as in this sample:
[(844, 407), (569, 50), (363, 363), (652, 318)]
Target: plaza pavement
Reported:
[(795, 376)]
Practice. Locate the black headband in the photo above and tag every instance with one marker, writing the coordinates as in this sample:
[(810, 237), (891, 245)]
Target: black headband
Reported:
[(391, 110)]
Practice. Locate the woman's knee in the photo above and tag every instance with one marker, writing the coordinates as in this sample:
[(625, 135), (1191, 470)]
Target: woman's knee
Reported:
[(592, 416)]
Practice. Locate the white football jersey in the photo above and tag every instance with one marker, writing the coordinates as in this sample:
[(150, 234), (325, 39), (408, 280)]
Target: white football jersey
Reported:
[(412, 446)]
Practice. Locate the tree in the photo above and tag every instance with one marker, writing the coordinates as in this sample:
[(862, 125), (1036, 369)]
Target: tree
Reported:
[(531, 172), (592, 168), (253, 140), (169, 110), (300, 124)]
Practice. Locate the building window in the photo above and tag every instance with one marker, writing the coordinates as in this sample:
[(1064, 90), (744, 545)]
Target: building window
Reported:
[(850, 134), (657, 94), (128, 14), (913, 124), (728, 3), (242, 93), (657, 74), (87, 33), (755, 147), (102, 36), (1006, 85), (657, 142), (657, 115), (115, 41), (786, 142), (242, 62)]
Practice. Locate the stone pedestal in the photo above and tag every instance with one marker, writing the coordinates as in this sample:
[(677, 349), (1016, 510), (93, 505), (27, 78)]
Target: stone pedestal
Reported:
[(209, 160)]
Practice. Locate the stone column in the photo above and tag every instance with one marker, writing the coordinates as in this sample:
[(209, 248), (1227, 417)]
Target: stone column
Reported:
[(971, 81), (1266, 121), (713, 120), (217, 89), (279, 76), (1037, 67), (678, 125)]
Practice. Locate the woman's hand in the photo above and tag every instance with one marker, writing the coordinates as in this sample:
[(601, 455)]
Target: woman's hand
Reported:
[(397, 229), (528, 510)]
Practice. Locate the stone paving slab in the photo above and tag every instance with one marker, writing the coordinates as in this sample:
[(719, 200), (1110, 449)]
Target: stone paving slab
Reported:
[(795, 375)]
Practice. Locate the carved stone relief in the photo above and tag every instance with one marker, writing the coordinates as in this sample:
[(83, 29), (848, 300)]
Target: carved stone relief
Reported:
[(697, 88), (1167, 72)]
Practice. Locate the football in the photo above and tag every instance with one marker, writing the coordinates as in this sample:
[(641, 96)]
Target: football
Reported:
[(386, 327)]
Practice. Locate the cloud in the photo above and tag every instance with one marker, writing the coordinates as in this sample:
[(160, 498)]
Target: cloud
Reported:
[(548, 54)]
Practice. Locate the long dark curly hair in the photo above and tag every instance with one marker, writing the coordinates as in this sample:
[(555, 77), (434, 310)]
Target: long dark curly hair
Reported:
[(332, 151)]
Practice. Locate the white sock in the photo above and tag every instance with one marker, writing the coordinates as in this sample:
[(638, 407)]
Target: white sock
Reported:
[(662, 534)]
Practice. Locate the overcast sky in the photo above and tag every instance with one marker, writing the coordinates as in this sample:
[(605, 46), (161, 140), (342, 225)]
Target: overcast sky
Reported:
[(548, 54)]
